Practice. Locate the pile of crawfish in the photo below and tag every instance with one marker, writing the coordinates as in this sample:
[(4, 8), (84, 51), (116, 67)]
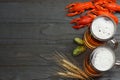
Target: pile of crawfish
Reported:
[(92, 9)]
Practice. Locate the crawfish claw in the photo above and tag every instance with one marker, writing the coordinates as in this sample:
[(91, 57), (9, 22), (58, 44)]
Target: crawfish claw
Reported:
[(70, 5), (72, 14), (78, 26), (75, 20)]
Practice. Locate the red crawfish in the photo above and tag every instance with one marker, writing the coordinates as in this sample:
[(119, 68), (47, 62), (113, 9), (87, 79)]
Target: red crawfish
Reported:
[(82, 21), (101, 2), (78, 7), (112, 7), (115, 18)]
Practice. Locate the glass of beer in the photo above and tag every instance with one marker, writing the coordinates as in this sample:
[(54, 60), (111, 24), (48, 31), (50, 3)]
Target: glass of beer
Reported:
[(102, 30), (101, 59)]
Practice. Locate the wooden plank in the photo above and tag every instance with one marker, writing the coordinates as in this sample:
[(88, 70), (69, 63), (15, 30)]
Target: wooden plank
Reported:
[(26, 73), (30, 32)]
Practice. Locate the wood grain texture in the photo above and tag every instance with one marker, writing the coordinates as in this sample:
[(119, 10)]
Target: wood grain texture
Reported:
[(31, 31)]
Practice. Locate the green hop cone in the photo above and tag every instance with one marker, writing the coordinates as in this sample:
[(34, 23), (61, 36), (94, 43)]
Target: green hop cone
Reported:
[(78, 50), (79, 41)]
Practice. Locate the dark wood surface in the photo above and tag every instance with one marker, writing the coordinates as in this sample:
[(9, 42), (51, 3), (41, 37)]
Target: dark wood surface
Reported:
[(30, 32)]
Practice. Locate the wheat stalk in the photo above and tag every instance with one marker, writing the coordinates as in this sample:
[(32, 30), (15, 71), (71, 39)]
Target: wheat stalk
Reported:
[(70, 75), (71, 70), (75, 68)]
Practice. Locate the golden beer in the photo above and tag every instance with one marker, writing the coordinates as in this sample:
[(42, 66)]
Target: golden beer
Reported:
[(100, 60), (90, 41), (101, 30)]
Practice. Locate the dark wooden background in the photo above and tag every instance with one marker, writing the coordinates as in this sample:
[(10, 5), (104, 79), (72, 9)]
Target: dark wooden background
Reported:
[(30, 32)]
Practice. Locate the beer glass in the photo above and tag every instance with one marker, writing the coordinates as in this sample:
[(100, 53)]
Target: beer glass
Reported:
[(101, 59), (101, 30)]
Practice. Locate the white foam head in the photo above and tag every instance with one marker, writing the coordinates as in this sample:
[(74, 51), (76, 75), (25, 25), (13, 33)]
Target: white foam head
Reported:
[(103, 58), (103, 28)]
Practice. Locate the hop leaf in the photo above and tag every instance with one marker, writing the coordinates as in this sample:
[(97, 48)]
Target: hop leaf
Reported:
[(78, 50), (79, 41)]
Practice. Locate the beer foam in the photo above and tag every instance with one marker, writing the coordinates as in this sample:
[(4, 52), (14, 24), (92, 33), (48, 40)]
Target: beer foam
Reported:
[(103, 28), (103, 59)]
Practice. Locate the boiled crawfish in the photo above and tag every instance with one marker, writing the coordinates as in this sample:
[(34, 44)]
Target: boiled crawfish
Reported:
[(101, 2), (78, 7), (94, 8), (87, 19), (106, 13), (82, 21), (112, 7)]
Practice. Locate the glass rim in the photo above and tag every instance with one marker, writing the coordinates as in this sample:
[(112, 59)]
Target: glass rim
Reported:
[(91, 31), (92, 56)]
